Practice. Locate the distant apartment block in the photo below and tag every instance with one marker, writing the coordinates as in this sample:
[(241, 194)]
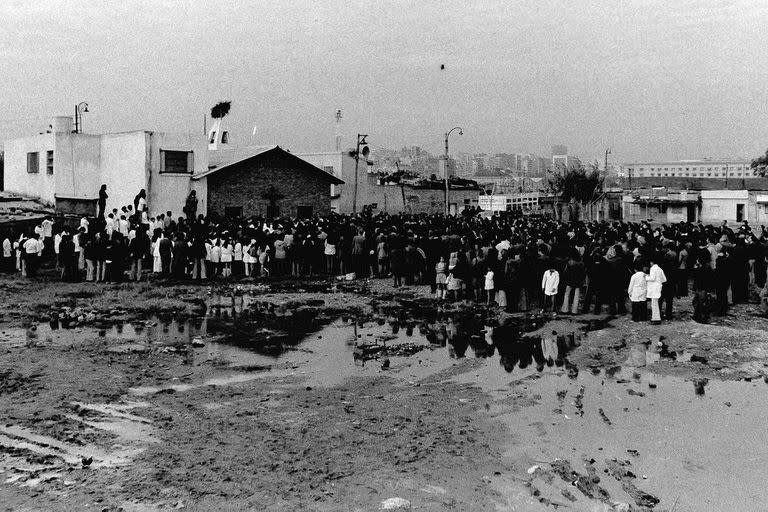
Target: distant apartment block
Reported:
[(705, 168)]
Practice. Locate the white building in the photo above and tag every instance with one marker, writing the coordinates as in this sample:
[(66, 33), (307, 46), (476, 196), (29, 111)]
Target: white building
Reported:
[(342, 165), (705, 168), (720, 205), (498, 203), (67, 169)]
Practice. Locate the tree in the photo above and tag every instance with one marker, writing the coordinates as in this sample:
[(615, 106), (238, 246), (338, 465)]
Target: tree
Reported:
[(221, 109), (760, 164), (577, 185)]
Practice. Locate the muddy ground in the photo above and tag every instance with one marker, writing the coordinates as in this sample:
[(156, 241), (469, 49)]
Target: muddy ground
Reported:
[(318, 395)]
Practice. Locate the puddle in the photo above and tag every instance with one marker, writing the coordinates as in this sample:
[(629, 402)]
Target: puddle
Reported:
[(28, 458), (698, 450), (696, 445)]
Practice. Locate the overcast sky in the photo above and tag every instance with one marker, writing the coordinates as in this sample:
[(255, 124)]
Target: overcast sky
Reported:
[(648, 78)]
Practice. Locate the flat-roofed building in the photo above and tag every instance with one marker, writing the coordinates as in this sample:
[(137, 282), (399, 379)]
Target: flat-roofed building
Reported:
[(736, 168)]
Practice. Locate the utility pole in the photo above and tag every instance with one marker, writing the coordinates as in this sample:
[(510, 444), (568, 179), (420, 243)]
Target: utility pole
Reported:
[(360, 142), (607, 152), (726, 175), (445, 168)]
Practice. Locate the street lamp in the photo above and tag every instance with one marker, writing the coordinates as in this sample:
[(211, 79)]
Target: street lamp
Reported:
[(461, 132), (80, 108), (365, 151)]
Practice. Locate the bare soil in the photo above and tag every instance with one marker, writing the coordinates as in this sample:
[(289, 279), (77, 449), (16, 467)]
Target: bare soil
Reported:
[(275, 408)]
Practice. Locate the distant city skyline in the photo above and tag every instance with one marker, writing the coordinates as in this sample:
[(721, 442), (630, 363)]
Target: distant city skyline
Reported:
[(651, 79)]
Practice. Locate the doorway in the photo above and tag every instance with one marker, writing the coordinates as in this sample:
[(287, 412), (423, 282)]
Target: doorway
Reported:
[(740, 212), (691, 213)]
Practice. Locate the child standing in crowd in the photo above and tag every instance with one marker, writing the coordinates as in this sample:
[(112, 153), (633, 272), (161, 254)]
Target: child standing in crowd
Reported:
[(227, 251), (216, 259), (263, 254), (440, 278), (489, 285)]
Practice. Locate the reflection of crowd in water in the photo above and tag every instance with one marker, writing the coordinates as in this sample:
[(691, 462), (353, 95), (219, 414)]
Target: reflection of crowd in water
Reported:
[(507, 262), (486, 338)]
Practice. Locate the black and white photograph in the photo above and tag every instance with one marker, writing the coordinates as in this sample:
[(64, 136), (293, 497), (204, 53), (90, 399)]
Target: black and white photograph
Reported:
[(357, 256)]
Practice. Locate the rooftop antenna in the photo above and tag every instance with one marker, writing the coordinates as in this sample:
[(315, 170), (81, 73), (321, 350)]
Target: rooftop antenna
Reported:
[(338, 130)]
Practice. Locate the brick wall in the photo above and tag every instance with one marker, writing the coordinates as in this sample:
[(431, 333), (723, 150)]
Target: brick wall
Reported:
[(244, 185)]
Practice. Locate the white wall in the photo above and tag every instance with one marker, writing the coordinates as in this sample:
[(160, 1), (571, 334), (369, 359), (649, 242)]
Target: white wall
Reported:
[(126, 162), (720, 205), (17, 179), (344, 168), (168, 192), (122, 167)]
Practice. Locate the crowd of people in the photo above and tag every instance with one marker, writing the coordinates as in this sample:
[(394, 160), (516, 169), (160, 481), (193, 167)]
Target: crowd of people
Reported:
[(506, 261)]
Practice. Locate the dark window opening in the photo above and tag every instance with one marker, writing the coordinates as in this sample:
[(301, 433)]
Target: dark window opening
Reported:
[(49, 162), (33, 162), (176, 162), (225, 137)]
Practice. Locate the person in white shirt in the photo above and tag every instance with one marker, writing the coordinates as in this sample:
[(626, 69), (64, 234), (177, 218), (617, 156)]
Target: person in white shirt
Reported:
[(655, 280), (638, 291), (31, 250), (216, 259), (237, 259), (18, 246), (7, 255), (227, 253), (56, 243), (84, 224), (550, 282), (123, 226), (489, 285), (47, 234)]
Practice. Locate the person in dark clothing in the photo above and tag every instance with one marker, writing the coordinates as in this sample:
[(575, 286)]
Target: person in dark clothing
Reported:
[(669, 262), (138, 249), (166, 250), (722, 279), (598, 281), (102, 202), (190, 206), (67, 258), (513, 282), (739, 272), (197, 253), (619, 279), (179, 265), (574, 276)]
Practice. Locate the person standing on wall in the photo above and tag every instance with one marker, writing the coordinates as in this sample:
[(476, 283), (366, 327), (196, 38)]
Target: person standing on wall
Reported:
[(190, 206), (102, 202)]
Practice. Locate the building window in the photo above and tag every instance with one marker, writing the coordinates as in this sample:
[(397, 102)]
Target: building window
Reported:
[(49, 162), (328, 169), (225, 137), (176, 162), (33, 162)]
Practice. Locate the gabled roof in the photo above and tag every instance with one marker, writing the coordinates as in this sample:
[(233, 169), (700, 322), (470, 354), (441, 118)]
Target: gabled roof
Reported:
[(261, 152)]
